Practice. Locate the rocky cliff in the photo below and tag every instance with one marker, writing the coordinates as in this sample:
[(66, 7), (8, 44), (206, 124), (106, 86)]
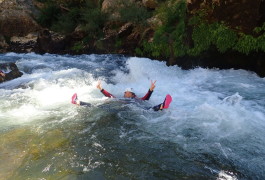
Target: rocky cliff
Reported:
[(239, 14), (19, 31), (17, 21), (17, 17)]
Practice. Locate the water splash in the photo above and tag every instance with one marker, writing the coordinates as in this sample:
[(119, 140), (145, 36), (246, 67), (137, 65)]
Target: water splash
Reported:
[(217, 120)]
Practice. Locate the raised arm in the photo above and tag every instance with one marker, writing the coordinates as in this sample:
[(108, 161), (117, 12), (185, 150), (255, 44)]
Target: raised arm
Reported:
[(103, 91), (150, 91)]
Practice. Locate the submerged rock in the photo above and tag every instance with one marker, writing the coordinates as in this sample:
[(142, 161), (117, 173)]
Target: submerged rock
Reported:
[(22, 147)]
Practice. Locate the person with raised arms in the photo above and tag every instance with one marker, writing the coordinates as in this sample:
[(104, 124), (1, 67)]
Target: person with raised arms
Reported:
[(128, 93)]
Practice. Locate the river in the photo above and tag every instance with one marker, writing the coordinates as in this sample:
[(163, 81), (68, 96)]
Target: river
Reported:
[(214, 128)]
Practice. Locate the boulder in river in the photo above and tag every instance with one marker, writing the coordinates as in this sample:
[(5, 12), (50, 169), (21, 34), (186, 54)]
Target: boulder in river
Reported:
[(11, 71)]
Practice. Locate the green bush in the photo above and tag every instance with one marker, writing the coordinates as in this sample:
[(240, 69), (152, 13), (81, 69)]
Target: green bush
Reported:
[(246, 44), (155, 49), (204, 35), (169, 37), (131, 12), (49, 15), (201, 39), (261, 42), (138, 51), (86, 13), (223, 38), (78, 47), (93, 21), (261, 37), (66, 23)]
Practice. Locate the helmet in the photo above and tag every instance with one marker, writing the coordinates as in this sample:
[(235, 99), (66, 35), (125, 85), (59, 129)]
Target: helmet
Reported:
[(129, 90)]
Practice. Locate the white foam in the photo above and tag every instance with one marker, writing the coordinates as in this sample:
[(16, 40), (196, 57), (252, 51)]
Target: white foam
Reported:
[(223, 175), (209, 97), (210, 108)]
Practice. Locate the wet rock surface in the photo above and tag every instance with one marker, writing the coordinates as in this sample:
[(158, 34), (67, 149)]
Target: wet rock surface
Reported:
[(11, 72)]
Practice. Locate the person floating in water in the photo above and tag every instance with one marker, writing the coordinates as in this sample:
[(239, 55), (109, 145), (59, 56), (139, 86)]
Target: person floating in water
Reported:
[(128, 93)]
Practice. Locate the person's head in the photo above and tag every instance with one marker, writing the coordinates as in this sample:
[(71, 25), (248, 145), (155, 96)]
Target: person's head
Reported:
[(128, 93)]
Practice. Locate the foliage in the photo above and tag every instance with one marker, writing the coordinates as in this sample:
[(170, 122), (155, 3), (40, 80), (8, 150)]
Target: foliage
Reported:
[(67, 23), (261, 42), (49, 15), (261, 38), (169, 37), (223, 38), (69, 2), (155, 49), (78, 47), (65, 15), (246, 44), (131, 12), (204, 35), (93, 21), (138, 51), (118, 43)]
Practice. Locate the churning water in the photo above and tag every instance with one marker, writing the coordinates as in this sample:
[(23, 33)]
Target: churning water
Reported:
[(214, 129)]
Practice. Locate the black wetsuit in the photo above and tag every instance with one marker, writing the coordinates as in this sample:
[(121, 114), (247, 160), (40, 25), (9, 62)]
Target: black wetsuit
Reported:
[(145, 98)]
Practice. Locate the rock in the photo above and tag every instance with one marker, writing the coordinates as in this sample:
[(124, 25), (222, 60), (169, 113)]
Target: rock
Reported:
[(109, 31), (123, 40), (16, 17), (113, 6), (154, 22), (109, 5), (79, 33), (30, 37), (50, 42), (23, 44), (151, 4), (11, 71), (242, 14), (125, 30)]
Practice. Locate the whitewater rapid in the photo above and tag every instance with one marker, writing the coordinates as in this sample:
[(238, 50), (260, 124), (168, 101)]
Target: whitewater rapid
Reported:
[(214, 128)]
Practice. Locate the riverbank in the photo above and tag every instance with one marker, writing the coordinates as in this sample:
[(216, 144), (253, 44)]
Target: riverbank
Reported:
[(183, 33)]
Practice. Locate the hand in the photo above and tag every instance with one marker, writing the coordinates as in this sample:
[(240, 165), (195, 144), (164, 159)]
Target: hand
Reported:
[(99, 85), (2, 74), (153, 85)]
